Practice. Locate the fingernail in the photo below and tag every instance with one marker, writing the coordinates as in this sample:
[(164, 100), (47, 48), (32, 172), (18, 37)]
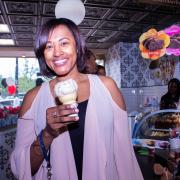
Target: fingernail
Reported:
[(73, 105), (76, 110), (76, 117)]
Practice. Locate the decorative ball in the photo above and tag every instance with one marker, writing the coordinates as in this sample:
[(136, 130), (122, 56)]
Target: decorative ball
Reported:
[(4, 83), (11, 89), (10, 81), (70, 9)]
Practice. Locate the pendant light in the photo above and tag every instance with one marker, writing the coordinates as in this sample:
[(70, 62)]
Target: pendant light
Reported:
[(70, 9)]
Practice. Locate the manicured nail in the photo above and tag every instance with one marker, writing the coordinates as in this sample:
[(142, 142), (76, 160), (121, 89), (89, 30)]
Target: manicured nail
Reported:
[(76, 117), (76, 110), (73, 105)]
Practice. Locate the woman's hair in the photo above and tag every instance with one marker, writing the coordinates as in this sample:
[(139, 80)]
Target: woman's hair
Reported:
[(168, 101), (177, 82), (42, 38), (89, 54), (177, 93), (39, 81)]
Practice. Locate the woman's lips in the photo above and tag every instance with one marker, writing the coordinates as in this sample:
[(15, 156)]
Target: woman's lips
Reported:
[(60, 62)]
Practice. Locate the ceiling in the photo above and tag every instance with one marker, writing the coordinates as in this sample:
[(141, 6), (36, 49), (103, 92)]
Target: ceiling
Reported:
[(106, 21)]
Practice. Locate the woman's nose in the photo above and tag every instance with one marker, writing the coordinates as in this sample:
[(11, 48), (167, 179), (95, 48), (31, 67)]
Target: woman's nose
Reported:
[(57, 50)]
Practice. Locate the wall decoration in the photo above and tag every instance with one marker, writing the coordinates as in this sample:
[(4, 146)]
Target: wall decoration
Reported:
[(174, 33), (153, 44), (167, 67), (126, 66), (154, 64)]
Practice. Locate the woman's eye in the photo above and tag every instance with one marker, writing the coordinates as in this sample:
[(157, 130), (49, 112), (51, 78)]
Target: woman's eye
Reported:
[(64, 43), (48, 46)]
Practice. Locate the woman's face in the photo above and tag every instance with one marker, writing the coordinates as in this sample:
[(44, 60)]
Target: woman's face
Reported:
[(60, 52), (173, 88), (91, 66)]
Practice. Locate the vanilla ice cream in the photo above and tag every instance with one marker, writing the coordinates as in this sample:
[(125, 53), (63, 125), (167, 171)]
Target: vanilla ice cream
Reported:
[(66, 91)]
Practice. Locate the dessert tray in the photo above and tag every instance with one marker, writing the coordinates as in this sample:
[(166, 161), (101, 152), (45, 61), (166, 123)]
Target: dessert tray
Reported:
[(150, 143)]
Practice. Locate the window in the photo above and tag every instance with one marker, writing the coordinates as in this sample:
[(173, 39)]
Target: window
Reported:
[(17, 76)]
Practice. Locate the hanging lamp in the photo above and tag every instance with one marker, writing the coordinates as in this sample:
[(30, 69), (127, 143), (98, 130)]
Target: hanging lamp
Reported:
[(70, 9)]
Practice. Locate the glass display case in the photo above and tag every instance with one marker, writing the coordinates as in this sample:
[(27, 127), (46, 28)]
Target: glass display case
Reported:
[(157, 125), (156, 139)]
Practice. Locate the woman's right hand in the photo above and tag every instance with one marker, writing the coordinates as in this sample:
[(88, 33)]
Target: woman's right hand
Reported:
[(58, 117)]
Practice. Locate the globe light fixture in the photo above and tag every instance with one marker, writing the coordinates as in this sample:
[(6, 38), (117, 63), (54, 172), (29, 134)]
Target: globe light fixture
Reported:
[(70, 9)]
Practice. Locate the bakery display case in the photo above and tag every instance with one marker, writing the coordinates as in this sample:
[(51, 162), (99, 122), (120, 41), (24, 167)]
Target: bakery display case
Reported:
[(156, 125), (156, 139)]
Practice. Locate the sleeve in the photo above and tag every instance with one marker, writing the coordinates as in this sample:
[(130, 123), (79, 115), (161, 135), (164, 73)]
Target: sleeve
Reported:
[(125, 159), (20, 157)]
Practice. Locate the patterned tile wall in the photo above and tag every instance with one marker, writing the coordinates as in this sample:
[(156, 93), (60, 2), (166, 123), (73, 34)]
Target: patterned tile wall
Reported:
[(113, 64), (7, 140), (132, 74), (126, 66)]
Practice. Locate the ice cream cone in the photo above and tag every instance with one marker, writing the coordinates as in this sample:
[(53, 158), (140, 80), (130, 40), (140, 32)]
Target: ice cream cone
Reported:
[(66, 91)]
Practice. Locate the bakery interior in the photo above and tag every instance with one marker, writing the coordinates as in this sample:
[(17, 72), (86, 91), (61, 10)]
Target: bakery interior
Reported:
[(112, 31)]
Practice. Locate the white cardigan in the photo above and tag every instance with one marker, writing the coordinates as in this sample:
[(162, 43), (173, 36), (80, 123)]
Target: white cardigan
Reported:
[(108, 152)]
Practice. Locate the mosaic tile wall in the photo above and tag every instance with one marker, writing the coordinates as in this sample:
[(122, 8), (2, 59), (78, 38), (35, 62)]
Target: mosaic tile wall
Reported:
[(126, 66), (113, 64), (7, 140), (132, 74)]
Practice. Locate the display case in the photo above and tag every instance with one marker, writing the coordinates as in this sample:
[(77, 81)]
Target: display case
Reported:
[(156, 138), (156, 125)]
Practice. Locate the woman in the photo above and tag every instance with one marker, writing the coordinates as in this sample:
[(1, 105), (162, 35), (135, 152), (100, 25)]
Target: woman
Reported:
[(90, 66), (46, 144), (171, 99), (101, 70)]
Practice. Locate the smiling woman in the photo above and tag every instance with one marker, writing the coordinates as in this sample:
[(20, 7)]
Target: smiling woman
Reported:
[(67, 141), (60, 51)]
